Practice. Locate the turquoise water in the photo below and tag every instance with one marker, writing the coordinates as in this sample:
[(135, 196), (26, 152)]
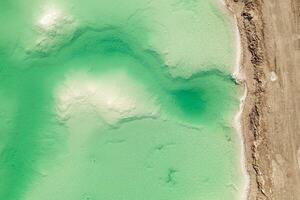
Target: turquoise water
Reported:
[(117, 100)]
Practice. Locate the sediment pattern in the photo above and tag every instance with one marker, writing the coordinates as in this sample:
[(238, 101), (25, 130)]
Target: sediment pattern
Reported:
[(111, 100)]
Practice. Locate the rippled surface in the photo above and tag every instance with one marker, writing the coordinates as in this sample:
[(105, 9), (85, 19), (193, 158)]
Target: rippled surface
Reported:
[(117, 100)]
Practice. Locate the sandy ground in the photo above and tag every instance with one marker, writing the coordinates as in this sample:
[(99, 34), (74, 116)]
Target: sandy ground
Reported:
[(270, 37)]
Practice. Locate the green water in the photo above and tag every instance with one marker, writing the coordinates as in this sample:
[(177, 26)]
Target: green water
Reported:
[(117, 100)]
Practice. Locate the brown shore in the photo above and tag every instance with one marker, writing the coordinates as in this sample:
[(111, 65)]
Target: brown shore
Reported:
[(270, 39)]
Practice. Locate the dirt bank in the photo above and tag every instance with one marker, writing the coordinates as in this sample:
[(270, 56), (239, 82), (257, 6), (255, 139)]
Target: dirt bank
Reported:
[(270, 37)]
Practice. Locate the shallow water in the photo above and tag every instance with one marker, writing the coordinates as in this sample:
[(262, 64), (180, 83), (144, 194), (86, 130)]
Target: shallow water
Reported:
[(117, 100)]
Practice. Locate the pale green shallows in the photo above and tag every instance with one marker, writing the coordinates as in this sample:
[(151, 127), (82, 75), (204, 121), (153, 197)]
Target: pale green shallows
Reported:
[(117, 100)]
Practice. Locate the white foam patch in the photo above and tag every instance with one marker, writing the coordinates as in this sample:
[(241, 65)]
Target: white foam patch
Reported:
[(55, 27), (114, 97), (49, 18), (54, 20)]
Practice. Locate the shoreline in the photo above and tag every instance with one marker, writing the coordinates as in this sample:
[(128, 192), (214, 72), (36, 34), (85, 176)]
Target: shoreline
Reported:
[(238, 127), (270, 45), (243, 117), (237, 121), (238, 116)]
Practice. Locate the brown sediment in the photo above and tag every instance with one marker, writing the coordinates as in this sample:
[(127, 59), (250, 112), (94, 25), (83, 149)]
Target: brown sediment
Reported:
[(270, 39)]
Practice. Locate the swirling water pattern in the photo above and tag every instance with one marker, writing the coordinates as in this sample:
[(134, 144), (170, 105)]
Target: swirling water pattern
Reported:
[(117, 100)]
